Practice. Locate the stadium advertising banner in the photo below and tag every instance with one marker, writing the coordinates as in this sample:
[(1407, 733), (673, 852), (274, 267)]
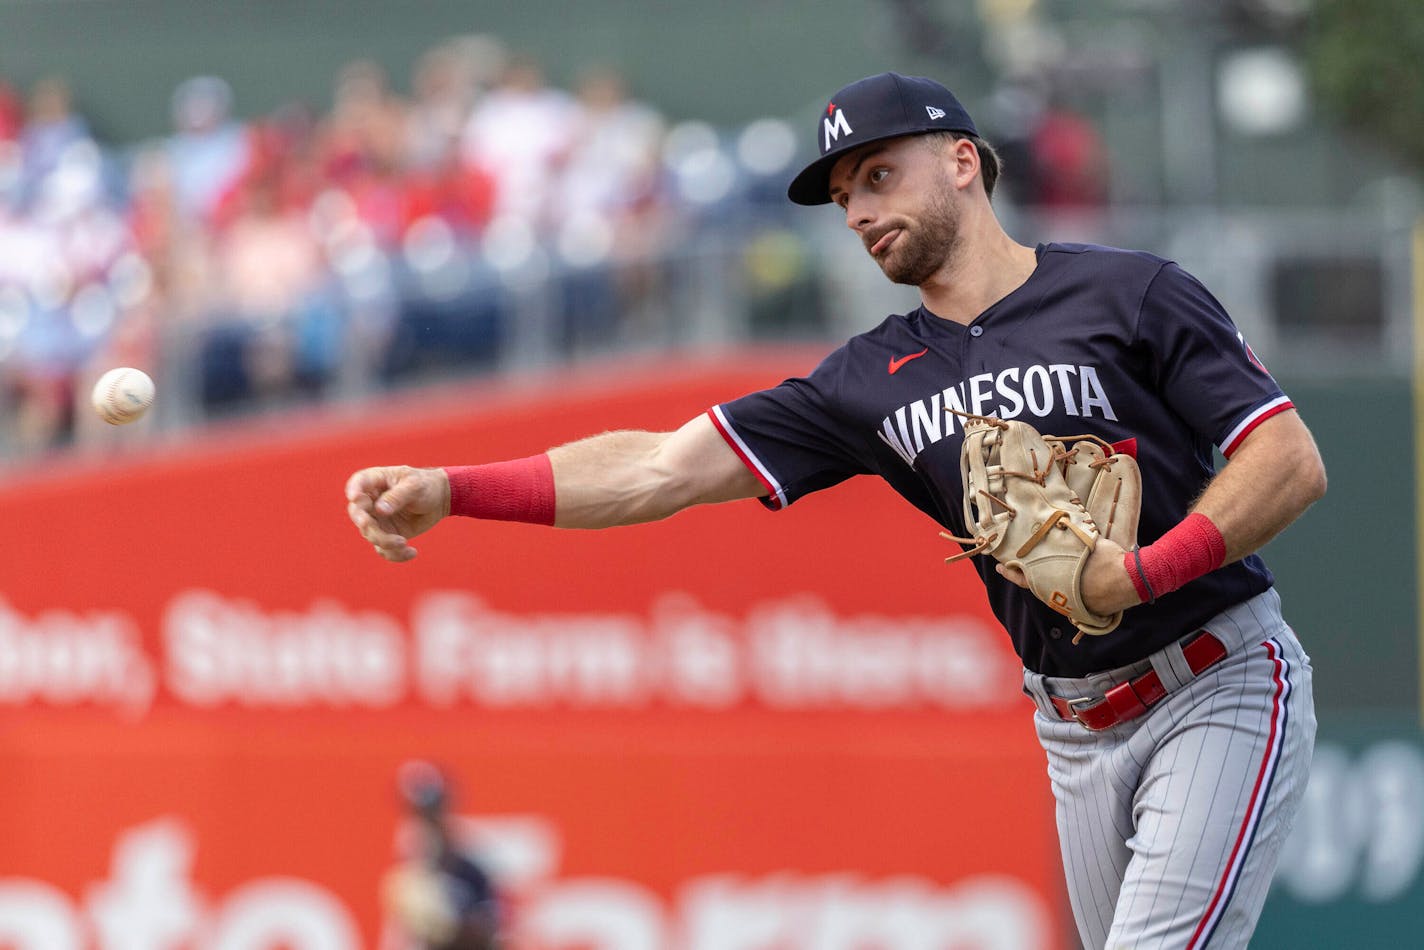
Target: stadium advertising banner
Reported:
[(733, 730)]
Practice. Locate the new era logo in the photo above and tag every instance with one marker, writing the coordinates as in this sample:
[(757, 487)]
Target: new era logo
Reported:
[(934, 113)]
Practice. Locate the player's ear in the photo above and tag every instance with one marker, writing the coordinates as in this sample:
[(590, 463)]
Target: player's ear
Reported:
[(964, 161)]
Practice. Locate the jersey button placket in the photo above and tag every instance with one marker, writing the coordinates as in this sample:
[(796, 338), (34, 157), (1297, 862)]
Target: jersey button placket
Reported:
[(964, 341)]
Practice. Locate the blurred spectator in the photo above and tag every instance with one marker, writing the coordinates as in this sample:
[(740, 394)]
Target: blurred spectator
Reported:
[(269, 273), (607, 205), (284, 150), (365, 130), (520, 134), (436, 897), (362, 148), (175, 246), (1016, 107), (51, 127), (37, 338), (613, 158), (447, 82), (208, 150), (61, 274), (1054, 157), (1070, 161)]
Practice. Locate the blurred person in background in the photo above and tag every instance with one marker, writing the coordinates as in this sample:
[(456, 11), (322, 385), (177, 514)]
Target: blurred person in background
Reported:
[(447, 82), (442, 97), (40, 348), (175, 251), (606, 207), (362, 144), (1013, 111), (1055, 155), (270, 277), (1070, 165), (208, 151), (1179, 740), (436, 897), (520, 134), (173, 244), (613, 162), (64, 266), (51, 127)]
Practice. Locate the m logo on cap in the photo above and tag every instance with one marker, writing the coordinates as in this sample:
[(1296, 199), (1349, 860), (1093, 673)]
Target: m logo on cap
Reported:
[(834, 125)]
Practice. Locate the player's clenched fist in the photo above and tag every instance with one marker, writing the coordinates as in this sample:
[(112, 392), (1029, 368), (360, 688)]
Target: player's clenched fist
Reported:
[(389, 505)]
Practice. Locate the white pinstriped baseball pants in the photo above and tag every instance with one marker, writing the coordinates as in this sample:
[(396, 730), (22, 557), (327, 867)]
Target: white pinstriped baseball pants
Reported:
[(1171, 824)]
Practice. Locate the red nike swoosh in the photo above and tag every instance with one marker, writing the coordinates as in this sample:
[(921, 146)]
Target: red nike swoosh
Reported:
[(896, 364)]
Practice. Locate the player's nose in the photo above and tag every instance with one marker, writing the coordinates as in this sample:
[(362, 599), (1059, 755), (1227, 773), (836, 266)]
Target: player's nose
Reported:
[(859, 214)]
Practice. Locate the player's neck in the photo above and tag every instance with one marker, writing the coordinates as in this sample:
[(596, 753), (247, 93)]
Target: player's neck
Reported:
[(987, 266)]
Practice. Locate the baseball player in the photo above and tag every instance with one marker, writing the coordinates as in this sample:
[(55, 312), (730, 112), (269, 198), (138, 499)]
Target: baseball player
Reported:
[(1178, 745), (437, 897)]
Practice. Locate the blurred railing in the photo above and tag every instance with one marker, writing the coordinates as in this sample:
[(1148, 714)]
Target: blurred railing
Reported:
[(1319, 294)]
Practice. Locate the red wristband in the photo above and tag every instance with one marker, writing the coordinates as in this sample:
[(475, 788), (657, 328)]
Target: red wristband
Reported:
[(1190, 550), (521, 490)]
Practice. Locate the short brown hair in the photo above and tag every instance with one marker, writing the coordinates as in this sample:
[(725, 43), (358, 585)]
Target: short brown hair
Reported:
[(989, 164)]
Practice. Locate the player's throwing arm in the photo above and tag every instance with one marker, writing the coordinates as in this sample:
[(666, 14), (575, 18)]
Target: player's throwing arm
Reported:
[(615, 478)]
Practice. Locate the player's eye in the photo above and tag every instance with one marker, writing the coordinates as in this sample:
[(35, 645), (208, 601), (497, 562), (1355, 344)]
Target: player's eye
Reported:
[(878, 175)]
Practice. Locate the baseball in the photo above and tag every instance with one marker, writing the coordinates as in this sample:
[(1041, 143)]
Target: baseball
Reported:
[(123, 395)]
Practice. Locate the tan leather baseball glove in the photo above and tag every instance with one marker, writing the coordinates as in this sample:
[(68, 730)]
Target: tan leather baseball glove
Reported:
[(1039, 504)]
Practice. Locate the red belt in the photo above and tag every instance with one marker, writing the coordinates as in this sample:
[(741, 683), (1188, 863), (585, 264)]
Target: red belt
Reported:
[(1133, 698)]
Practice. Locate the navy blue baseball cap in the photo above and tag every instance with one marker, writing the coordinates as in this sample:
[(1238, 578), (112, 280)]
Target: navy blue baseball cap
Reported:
[(879, 107)]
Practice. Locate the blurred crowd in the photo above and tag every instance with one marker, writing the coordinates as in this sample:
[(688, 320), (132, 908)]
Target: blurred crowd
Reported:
[(265, 260), (270, 248)]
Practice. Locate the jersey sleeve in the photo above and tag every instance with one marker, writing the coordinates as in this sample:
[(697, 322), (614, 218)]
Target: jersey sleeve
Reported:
[(791, 437), (1205, 369)]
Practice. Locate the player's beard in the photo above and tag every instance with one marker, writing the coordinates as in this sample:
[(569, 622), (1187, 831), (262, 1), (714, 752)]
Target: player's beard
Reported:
[(923, 248)]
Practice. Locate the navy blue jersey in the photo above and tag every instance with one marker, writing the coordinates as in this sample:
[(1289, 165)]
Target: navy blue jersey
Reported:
[(470, 894), (1120, 344)]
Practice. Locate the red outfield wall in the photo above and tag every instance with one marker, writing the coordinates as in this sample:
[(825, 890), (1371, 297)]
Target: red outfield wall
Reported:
[(733, 730)]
